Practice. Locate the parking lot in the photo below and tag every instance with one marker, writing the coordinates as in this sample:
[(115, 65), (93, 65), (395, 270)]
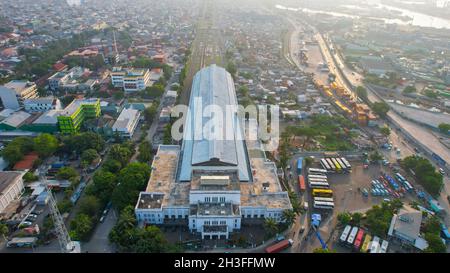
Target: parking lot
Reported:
[(347, 197)]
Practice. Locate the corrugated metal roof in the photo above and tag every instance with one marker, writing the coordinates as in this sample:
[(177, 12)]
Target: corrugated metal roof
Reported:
[(214, 86)]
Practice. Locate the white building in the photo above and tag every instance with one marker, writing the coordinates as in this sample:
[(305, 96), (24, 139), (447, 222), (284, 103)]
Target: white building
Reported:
[(212, 185), (66, 79), (15, 92), (131, 80), (127, 122), (42, 104), (11, 187)]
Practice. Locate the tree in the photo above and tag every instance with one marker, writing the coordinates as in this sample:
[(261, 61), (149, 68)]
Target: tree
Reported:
[(435, 244), (385, 131), (12, 153), (231, 68), (150, 113), (102, 186), (145, 152), (432, 225), (4, 230), (124, 234), (151, 240), (425, 173), (381, 108), (132, 179), (375, 156), (356, 218), (66, 173), (444, 128), (45, 145), (120, 153), (112, 166), (65, 206), (89, 156), (17, 148), (308, 161), (30, 177), (80, 227), (80, 142), (362, 93), (344, 218), (90, 205), (409, 89), (288, 216), (270, 226)]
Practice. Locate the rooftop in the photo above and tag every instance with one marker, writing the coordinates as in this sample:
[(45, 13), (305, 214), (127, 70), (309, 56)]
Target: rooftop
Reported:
[(6, 178), (223, 149), (75, 104), (27, 162), (162, 178), (18, 86), (126, 119), (220, 209), (16, 119), (406, 222)]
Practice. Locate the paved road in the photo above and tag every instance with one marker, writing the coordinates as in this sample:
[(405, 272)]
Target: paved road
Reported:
[(99, 242)]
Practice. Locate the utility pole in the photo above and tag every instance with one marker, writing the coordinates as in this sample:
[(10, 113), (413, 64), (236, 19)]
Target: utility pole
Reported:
[(65, 243)]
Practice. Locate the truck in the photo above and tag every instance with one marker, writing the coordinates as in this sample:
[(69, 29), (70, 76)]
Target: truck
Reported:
[(277, 247), (299, 165)]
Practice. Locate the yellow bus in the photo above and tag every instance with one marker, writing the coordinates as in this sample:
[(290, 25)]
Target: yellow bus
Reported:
[(366, 245), (322, 193)]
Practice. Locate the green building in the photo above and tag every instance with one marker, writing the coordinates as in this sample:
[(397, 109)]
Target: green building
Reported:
[(73, 116)]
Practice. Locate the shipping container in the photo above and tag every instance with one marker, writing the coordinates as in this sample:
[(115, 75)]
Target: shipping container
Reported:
[(279, 246)]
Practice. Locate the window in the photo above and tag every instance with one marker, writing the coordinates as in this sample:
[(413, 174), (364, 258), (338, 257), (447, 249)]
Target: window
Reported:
[(222, 199), (214, 199), (207, 199)]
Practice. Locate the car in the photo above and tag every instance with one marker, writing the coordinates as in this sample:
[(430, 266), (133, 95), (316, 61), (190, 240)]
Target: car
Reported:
[(280, 238), (387, 200), (305, 205), (102, 219), (441, 171), (30, 219), (25, 224)]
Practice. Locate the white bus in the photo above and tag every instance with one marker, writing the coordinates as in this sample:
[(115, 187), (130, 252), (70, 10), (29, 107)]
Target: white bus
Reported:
[(345, 233), (317, 176), (352, 236), (347, 164), (323, 199), (319, 185), (375, 245), (317, 171), (323, 205), (384, 246), (324, 164), (318, 179), (332, 166), (343, 166)]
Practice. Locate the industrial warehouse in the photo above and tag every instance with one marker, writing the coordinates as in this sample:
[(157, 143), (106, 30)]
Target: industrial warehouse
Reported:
[(211, 185)]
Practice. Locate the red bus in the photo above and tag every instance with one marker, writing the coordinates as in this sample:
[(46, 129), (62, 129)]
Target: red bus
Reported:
[(301, 182), (359, 239)]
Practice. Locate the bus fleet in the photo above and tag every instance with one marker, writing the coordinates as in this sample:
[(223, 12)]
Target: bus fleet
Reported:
[(358, 239)]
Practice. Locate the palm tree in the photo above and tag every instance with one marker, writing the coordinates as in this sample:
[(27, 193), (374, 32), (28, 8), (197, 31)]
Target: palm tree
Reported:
[(271, 226), (288, 216)]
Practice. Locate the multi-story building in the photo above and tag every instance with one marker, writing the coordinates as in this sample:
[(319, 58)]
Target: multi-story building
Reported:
[(72, 117), (42, 104), (65, 79), (209, 184), (131, 80), (15, 92), (127, 122), (11, 187)]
